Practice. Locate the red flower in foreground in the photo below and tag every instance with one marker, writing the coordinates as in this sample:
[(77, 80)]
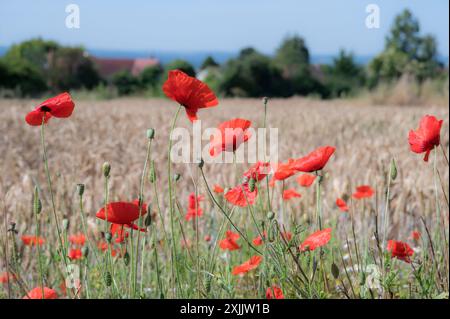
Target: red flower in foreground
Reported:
[(363, 191), (306, 180), (123, 213), (229, 243), (32, 240), (318, 239), (241, 195), (77, 239), (426, 137), (230, 136), (400, 250), (58, 106), (250, 264), (284, 170), (218, 189), (75, 254), (274, 292), (290, 193), (258, 171), (258, 241), (342, 205), (193, 94), (314, 161), (36, 293), (194, 206), (416, 235)]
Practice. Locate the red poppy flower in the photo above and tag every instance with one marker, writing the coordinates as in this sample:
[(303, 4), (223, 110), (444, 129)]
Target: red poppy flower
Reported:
[(363, 191), (400, 250), (207, 238), (416, 235), (306, 180), (32, 240), (36, 293), (318, 239), (274, 292), (287, 236), (426, 137), (229, 242), (58, 106), (250, 264), (218, 189), (103, 246), (342, 205), (314, 161), (258, 171), (284, 170), (123, 213), (6, 277), (241, 195), (290, 193), (258, 241), (194, 207), (230, 136), (77, 239), (193, 94), (75, 254)]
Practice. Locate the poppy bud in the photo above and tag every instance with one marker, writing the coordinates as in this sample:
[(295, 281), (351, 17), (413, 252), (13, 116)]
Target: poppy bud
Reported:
[(106, 169), (176, 177), (126, 258), (108, 278), (251, 184), (80, 189), (85, 251), (265, 100), (37, 205), (65, 224), (151, 173), (201, 163), (393, 170), (148, 218), (335, 271), (150, 133), (270, 215), (108, 237)]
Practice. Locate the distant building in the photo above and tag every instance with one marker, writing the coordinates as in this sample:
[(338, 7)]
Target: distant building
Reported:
[(108, 67)]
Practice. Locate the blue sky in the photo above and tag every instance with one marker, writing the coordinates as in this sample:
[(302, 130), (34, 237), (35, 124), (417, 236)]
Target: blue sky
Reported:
[(212, 25)]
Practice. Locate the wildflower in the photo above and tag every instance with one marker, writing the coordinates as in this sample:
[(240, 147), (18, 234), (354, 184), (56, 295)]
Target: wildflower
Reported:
[(230, 136), (306, 180), (274, 292), (77, 239), (363, 191), (6, 277), (75, 254), (123, 213), (207, 238), (258, 171), (342, 205), (191, 93), (59, 106), (32, 240), (250, 264), (314, 161), (426, 137), (229, 242), (258, 241), (318, 239), (194, 206), (400, 250), (284, 170), (241, 195), (36, 293), (218, 189), (416, 235), (290, 193)]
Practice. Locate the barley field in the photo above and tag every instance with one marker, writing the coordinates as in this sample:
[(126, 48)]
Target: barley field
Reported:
[(176, 258)]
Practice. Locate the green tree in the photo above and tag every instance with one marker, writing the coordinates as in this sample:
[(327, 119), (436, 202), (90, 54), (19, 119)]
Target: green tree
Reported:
[(150, 76), (209, 62), (182, 65), (406, 51), (125, 83)]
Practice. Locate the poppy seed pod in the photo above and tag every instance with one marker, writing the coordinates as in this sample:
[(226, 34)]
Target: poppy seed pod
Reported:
[(148, 220), (108, 237), (106, 168), (85, 251), (201, 163), (151, 173), (265, 100), (150, 133), (176, 177), (126, 258), (251, 184), (37, 205), (80, 189), (108, 278), (270, 215), (65, 224)]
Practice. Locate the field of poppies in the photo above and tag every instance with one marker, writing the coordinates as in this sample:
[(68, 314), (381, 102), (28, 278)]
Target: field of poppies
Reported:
[(93, 206)]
